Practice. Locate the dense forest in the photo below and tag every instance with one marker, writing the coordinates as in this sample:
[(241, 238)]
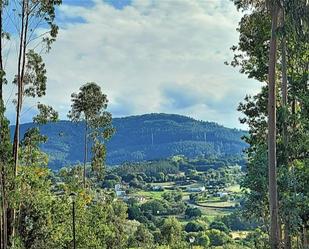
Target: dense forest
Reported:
[(204, 196), (138, 138)]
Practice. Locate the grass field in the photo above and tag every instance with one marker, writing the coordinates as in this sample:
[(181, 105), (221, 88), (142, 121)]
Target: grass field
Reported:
[(151, 194), (164, 184), (214, 212), (239, 234), (221, 204)]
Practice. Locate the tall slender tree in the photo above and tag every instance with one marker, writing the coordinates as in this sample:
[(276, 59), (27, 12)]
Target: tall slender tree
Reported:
[(253, 54), (272, 121), (33, 29), (30, 78), (89, 106)]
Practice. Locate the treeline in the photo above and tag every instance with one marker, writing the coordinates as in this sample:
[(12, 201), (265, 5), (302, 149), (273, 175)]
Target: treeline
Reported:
[(150, 169), (178, 168)]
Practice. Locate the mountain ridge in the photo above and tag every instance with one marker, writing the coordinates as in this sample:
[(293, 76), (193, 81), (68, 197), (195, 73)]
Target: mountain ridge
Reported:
[(143, 137)]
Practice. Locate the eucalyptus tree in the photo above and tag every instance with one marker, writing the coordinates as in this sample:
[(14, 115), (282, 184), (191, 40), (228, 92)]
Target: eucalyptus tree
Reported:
[(4, 138), (32, 30), (272, 128), (35, 31), (258, 69), (255, 54), (89, 105)]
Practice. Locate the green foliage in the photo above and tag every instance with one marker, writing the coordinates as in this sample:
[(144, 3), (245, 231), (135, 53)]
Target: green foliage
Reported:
[(193, 226), (98, 159), (251, 55), (171, 232), (172, 196), (193, 212), (134, 212), (153, 207), (35, 77), (30, 151), (5, 143), (45, 218), (89, 105), (217, 238), (203, 240), (219, 226), (237, 222), (150, 171), (143, 238), (46, 114), (257, 239)]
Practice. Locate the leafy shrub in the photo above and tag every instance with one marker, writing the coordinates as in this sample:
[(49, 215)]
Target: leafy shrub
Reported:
[(217, 238), (193, 212), (218, 225), (193, 227)]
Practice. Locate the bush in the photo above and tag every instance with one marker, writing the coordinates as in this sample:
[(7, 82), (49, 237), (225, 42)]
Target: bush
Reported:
[(134, 213), (235, 222), (203, 240), (193, 212), (153, 207), (218, 225), (193, 227), (257, 239), (217, 238)]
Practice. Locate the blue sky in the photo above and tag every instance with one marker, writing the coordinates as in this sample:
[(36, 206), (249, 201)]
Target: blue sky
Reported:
[(148, 56)]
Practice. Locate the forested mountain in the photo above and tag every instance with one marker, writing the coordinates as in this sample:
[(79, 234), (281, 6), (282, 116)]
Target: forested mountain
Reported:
[(145, 137)]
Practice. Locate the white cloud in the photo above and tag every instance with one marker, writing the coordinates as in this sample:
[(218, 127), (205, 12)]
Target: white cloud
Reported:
[(134, 53)]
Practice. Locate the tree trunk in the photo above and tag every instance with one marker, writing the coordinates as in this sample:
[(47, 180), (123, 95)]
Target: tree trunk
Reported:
[(284, 100), (1, 58), (272, 160), (20, 78), (287, 237), (284, 87), (4, 241), (85, 152), (305, 237), (3, 218)]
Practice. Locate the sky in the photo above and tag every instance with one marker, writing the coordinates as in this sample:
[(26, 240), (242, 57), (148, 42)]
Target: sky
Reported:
[(149, 56)]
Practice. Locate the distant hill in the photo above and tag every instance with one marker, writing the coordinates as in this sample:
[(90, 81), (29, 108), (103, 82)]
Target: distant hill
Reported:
[(145, 137)]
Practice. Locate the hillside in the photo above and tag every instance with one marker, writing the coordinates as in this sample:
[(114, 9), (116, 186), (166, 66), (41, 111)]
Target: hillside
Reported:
[(145, 137)]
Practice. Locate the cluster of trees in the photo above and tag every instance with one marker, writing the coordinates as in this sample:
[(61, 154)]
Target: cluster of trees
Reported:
[(155, 231), (273, 48), (149, 169), (211, 162), (170, 204), (179, 168), (25, 21), (33, 215)]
